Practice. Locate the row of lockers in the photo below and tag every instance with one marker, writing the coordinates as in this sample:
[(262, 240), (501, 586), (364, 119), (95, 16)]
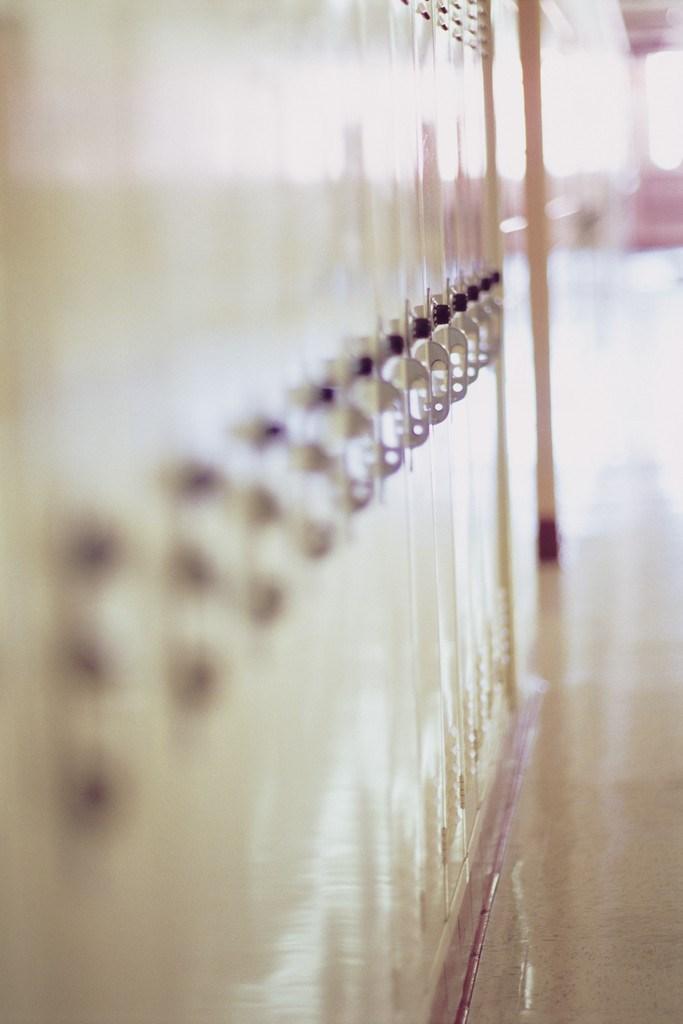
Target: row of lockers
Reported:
[(257, 620)]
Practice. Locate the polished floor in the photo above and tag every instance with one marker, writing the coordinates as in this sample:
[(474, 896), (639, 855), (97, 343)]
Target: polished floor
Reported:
[(587, 927)]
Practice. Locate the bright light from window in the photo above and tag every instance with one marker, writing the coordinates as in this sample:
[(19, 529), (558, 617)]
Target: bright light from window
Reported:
[(511, 138), (585, 121), (664, 92), (563, 115)]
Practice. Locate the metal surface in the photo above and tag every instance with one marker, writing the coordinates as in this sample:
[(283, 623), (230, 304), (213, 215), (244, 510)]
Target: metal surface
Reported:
[(255, 667)]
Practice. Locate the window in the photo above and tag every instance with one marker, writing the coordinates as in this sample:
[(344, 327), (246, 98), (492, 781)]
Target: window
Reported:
[(664, 98)]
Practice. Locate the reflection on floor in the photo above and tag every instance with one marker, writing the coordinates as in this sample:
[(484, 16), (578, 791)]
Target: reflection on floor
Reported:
[(587, 924)]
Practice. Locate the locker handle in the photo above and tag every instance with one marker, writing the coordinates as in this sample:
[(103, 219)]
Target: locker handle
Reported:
[(455, 342), (436, 360), (313, 533), (352, 436), (383, 403), (470, 328), (409, 377)]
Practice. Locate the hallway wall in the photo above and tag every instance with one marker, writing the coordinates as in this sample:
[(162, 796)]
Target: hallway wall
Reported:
[(266, 601), (256, 674)]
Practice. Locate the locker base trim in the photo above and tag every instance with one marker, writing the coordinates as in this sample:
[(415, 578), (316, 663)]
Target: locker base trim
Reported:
[(522, 739), (461, 967)]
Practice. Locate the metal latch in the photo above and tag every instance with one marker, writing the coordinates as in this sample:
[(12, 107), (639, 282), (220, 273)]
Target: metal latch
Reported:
[(411, 380), (470, 328), (454, 341), (436, 359)]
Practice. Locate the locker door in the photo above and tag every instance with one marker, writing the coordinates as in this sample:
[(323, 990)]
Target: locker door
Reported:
[(481, 414), (90, 703), (389, 175), (337, 793), (519, 375), (453, 453), (324, 685), (423, 536), (439, 133), (20, 783), (247, 675)]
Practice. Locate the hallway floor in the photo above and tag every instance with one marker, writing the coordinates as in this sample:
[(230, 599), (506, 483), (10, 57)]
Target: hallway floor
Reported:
[(587, 926)]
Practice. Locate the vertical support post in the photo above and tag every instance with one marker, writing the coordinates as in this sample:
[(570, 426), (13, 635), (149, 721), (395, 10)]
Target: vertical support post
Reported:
[(537, 242)]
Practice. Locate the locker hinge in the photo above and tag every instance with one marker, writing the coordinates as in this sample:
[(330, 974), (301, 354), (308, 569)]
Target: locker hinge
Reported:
[(444, 846), (461, 791)]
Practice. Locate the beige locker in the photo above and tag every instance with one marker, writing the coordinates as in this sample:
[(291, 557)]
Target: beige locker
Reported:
[(255, 679)]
